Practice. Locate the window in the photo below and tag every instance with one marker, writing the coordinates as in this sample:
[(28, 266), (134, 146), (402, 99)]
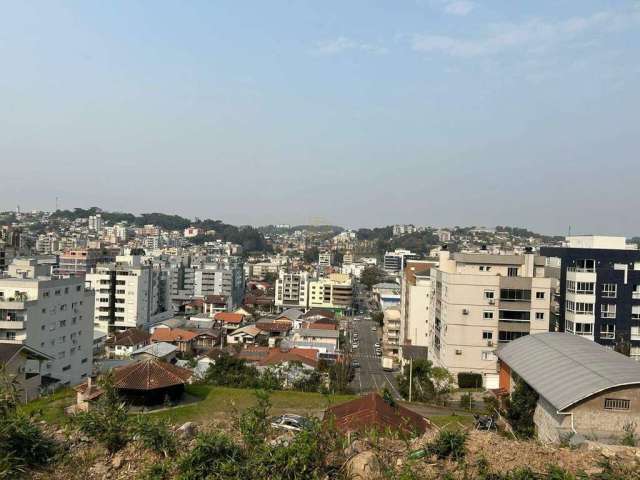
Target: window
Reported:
[(487, 355), (607, 332), (488, 315), (587, 265), (45, 294), (635, 312), (539, 315), (608, 311), (11, 335), (515, 315), (585, 288), (512, 271), (57, 292), (504, 336), (63, 323), (584, 329), (616, 404), (583, 308), (489, 294), (540, 295), (609, 290), (511, 294), (487, 335)]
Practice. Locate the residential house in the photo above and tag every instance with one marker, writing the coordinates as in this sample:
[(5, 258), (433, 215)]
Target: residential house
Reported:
[(123, 344), (22, 364), (183, 339), (160, 350), (326, 341)]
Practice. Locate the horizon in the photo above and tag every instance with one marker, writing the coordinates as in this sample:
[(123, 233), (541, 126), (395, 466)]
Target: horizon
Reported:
[(431, 112)]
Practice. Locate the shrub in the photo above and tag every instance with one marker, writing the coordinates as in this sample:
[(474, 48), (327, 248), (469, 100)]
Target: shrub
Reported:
[(521, 409), (466, 401), (629, 437), (469, 380), (214, 456), (449, 444), (154, 434), (254, 423)]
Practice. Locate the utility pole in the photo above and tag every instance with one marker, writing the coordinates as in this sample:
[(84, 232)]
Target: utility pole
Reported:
[(410, 378)]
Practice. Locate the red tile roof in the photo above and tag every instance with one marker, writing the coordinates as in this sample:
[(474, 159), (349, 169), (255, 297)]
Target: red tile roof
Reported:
[(216, 299), (371, 411), (308, 356), (129, 338), (228, 317), (172, 335), (281, 327), (150, 375)]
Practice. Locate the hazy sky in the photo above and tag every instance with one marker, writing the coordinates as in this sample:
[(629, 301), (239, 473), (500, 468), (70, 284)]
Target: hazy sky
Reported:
[(360, 113)]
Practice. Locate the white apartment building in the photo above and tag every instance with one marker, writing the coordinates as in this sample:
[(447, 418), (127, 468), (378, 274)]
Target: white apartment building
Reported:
[(95, 222), (415, 303), (128, 295), (52, 315), (481, 301), (220, 279), (292, 290), (47, 244), (324, 259), (332, 293), (391, 333), (394, 262)]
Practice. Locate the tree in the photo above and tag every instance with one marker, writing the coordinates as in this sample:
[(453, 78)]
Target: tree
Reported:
[(370, 276), (311, 255), (521, 409)]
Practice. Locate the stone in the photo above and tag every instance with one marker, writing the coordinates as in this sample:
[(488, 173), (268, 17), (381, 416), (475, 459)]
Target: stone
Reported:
[(116, 462), (188, 430), (363, 466)]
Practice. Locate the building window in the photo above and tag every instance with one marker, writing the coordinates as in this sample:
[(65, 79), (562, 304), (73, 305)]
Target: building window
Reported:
[(11, 335), (540, 295), (488, 315), (635, 312), (512, 271), (512, 294), (586, 265), (487, 355), (539, 315), (608, 311), (487, 335), (607, 332), (609, 290), (616, 404), (585, 288), (584, 329), (489, 294)]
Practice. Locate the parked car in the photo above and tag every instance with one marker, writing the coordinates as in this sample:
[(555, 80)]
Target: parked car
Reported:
[(355, 364), (289, 421), (374, 329), (378, 353), (377, 344)]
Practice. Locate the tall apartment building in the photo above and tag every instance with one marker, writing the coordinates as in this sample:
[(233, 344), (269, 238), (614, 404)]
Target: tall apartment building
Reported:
[(332, 293), (599, 290), (52, 315), (482, 300), (391, 332), (347, 259), (403, 229), (95, 222), (128, 295), (292, 290), (82, 261), (394, 262), (220, 279), (47, 244), (415, 303)]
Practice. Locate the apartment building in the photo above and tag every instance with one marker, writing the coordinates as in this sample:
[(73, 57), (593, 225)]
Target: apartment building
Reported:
[(128, 295), (391, 333), (46, 244), (51, 315), (292, 290), (481, 301), (95, 222), (324, 259), (181, 283), (415, 303), (599, 290), (220, 279), (334, 292), (394, 262), (404, 229), (82, 261)]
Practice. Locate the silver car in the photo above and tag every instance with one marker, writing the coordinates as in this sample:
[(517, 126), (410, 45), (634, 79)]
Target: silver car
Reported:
[(289, 421)]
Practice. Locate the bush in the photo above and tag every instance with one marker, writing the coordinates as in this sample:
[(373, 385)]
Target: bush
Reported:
[(521, 408), (154, 434), (449, 444), (469, 380), (214, 456)]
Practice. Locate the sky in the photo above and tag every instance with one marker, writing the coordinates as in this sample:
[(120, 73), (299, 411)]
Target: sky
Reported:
[(357, 113)]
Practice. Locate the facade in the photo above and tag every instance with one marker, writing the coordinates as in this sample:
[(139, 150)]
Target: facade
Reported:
[(599, 290), (391, 333), (481, 301), (219, 279), (54, 316), (415, 305), (82, 261), (324, 259), (394, 262), (95, 222), (592, 391), (128, 295), (332, 293), (292, 290)]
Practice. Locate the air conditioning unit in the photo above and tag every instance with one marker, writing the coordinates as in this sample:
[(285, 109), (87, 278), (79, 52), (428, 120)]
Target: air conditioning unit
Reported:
[(465, 311), (458, 352), (492, 301), (489, 343)]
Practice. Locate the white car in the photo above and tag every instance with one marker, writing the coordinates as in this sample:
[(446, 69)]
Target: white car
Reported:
[(289, 422), (374, 329), (377, 345)]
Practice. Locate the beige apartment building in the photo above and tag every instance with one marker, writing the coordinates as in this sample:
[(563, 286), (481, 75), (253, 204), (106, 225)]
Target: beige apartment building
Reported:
[(481, 301), (415, 303), (334, 292)]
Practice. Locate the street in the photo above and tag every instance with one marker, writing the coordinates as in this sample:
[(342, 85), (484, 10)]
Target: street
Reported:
[(370, 377)]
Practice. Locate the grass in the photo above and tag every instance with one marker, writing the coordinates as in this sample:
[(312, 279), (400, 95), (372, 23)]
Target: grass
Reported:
[(51, 407), (220, 402), (452, 422)]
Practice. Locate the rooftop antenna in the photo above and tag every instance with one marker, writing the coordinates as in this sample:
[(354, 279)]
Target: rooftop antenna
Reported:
[(56, 204)]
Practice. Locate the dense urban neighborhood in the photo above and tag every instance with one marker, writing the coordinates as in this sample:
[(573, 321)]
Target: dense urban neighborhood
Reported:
[(426, 332)]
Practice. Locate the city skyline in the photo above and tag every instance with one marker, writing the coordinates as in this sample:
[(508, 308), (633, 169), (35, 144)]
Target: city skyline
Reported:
[(366, 114)]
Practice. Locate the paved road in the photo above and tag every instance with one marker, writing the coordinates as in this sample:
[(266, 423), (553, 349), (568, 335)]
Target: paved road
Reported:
[(370, 377)]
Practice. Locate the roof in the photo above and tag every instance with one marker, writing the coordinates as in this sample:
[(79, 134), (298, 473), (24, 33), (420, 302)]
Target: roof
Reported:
[(371, 411), (89, 393), (319, 312), (565, 368), (228, 317), (159, 349), (274, 326), (320, 325), (129, 338), (253, 354), (248, 329), (487, 258), (317, 332), (216, 299), (9, 350), (308, 356), (150, 375), (292, 314), (172, 335)]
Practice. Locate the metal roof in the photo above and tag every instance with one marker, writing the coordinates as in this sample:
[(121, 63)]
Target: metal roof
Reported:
[(565, 369), (159, 349), (316, 332)]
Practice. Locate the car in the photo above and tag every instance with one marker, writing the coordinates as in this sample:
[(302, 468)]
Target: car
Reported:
[(355, 364), (374, 329), (377, 345), (378, 353), (355, 345), (290, 421)]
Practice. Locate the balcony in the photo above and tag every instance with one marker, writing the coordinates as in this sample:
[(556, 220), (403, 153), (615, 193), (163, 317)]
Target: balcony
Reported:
[(11, 325)]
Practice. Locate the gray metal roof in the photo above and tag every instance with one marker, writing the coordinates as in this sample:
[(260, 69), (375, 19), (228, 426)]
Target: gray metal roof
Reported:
[(159, 349), (565, 369), (318, 332), (487, 258)]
